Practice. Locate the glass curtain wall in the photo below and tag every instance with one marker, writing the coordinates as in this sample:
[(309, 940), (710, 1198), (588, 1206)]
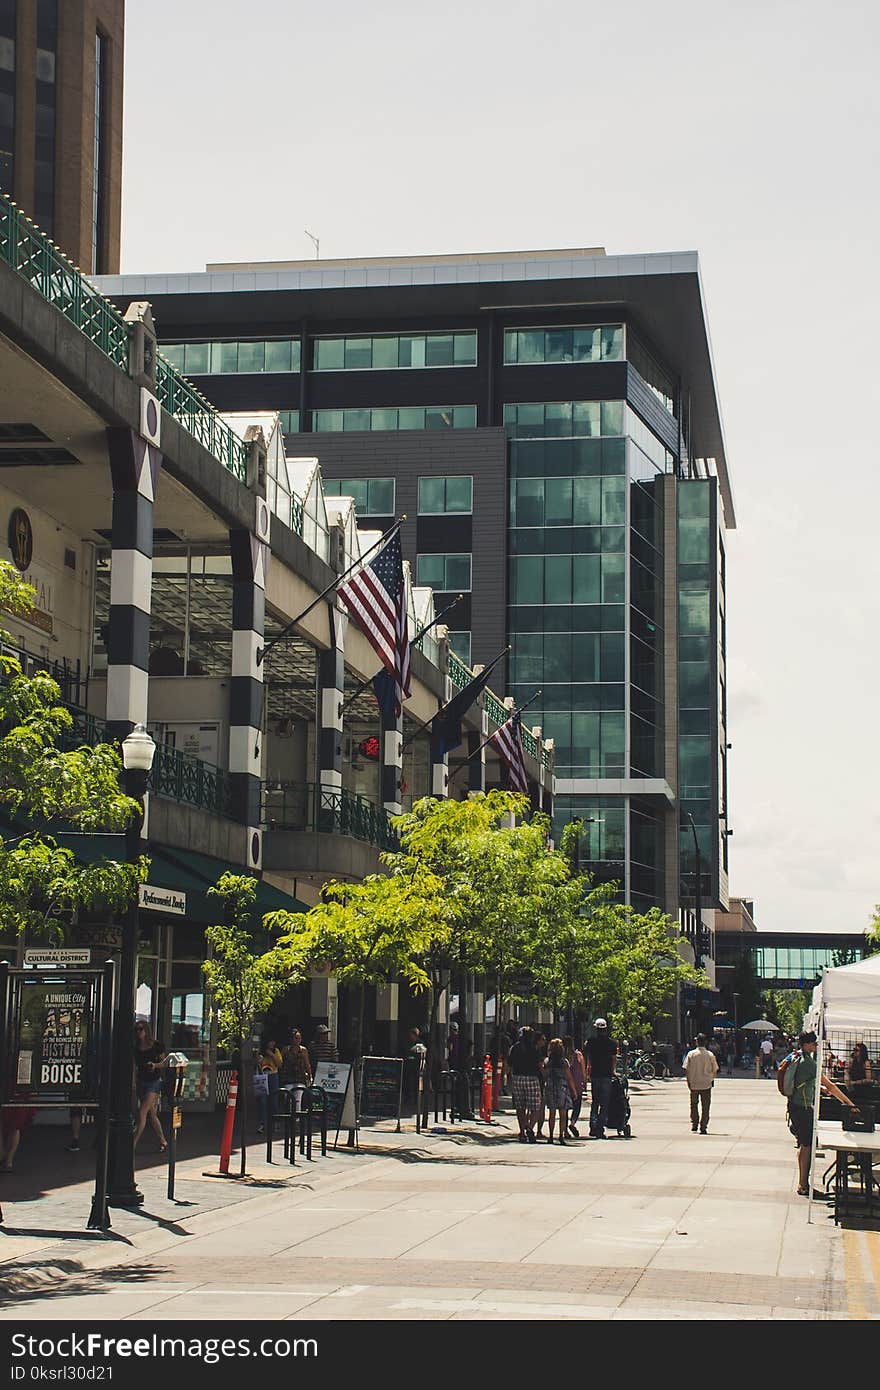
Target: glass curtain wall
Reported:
[(696, 717)]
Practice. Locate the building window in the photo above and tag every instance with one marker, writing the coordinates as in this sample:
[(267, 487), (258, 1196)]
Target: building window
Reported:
[(44, 115), (588, 343), (658, 381), (427, 417), (289, 421), (372, 496), (222, 358), (7, 94), (388, 353), (563, 419), (99, 172), (445, 494), (445, 573), (460, 646)]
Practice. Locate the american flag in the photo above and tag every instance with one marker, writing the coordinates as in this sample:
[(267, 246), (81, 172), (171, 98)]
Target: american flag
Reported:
[(376, 599), (508, 742)]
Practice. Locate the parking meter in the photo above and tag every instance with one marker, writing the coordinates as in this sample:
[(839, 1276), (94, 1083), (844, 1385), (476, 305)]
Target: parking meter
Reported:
[(174, 1080)]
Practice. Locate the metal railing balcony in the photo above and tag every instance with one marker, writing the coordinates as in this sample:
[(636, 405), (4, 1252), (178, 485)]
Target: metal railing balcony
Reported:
[(186, 778), (200, 419), (329, 810), (35, 257)]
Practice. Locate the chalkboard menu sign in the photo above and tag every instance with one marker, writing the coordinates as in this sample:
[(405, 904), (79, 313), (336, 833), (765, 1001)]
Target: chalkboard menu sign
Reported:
[(381, 1082)]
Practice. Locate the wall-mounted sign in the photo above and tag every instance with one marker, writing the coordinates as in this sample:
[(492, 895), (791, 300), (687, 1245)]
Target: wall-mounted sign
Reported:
[(162, 900), (21, 539), (78, 956), (100, 936)]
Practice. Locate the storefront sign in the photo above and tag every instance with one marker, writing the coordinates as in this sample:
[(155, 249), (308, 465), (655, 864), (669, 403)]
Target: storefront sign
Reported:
[(162, 900), (99, 936), (59, 957)]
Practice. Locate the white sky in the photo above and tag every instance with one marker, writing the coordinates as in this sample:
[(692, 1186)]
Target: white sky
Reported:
[(748, 132)]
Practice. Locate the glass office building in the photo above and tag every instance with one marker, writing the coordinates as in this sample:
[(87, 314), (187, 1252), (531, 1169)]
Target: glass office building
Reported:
[(549, 424)]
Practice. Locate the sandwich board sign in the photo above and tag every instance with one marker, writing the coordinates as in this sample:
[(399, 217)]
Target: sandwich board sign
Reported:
[(338, 1084)]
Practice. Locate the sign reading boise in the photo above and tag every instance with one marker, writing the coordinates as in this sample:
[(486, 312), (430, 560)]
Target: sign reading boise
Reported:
[(52, 1037)]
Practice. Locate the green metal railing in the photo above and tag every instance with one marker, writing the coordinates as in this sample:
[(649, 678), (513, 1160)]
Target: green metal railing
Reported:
[(494, 708), (458, 672), (529, 742), (44, 265), (174, 774), (329, 810), (297, 514), (200, 419), (186, 778)]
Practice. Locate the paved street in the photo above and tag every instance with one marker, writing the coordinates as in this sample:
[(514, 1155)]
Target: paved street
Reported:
[(475, 1226)]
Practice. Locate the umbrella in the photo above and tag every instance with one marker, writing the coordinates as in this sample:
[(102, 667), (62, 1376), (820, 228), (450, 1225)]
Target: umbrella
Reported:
[(761, 1025)]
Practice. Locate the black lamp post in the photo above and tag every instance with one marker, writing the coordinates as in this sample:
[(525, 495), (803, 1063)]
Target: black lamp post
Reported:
[(137, 758)]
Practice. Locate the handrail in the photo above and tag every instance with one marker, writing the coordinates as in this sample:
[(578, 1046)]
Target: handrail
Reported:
[(458, 672), (34, 256), (199, 418), (494, 708), (184, 777), (320, 808)]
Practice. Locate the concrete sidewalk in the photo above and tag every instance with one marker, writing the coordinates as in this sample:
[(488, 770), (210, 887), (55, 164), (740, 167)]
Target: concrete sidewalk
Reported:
[(472, 1224)]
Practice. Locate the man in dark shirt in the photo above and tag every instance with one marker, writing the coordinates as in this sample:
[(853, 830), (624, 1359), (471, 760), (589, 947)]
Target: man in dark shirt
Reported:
[(601, 1053)]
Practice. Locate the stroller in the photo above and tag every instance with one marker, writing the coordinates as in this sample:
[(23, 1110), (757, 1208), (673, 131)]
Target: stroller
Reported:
[(618, 1107)]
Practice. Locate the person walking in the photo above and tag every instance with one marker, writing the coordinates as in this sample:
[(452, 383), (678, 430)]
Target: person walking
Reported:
[(149, 1057), (601, 1060), (575, 1059), (559, 1088), (541, 1049), (700, 1070), (766, 1056), (525, 1084), (801, 1092)]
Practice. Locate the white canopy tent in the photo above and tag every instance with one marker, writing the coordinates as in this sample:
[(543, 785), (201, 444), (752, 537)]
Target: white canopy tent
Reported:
[(846, 999)]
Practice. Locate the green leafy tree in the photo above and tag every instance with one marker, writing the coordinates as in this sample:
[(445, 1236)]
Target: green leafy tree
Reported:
[(43, 782), (872, 938), (243, 984), (367, 933), (786, 1008)]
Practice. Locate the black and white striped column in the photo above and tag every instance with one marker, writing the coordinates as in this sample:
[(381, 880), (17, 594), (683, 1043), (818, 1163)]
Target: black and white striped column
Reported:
[(477, 760), (391, 739), (250, 558), (331, 696), (134, 469), (440, 767)]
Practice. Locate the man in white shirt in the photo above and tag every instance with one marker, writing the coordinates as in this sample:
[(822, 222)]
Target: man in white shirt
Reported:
[(766, 1057), (700, 1069)]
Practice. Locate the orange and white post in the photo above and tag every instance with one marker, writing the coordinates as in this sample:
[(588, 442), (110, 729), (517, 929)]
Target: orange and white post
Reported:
[(228, 1122)]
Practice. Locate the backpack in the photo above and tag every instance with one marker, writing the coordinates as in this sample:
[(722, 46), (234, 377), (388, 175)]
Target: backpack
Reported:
[(786, 1075)]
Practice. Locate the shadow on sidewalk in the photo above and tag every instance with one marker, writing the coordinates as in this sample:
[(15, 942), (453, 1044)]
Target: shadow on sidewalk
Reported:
[(67, 1279)]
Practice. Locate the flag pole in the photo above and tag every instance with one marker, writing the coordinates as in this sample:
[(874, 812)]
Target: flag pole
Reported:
[(487, 741), (421, 632), (422, 727), (262, 652)]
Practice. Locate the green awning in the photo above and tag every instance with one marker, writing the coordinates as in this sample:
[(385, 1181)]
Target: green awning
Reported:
[(182, 870)]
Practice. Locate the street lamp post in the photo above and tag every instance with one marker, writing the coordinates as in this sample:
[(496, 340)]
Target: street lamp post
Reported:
[(138, 750)]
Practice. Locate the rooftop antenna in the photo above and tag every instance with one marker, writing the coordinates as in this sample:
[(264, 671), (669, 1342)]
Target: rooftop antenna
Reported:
[(317, 244)]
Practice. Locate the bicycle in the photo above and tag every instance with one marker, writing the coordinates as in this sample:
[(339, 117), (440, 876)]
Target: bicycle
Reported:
[(640, 1066)]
